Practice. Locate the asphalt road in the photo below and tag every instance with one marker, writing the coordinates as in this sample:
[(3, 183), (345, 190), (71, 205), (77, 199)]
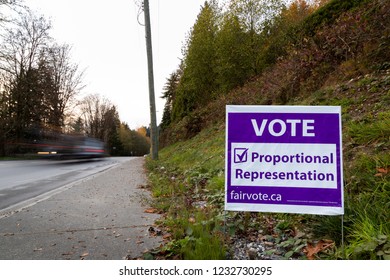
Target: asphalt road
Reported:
[(93, 210), (23, 180)]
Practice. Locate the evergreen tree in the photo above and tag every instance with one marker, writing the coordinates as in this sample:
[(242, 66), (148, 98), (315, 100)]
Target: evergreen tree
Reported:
[(169, 94), (233, 54), (198, 83)]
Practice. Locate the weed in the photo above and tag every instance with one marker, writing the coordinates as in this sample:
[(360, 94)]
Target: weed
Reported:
[(369, 241), (293, 247), (378, 131), (328, 227)]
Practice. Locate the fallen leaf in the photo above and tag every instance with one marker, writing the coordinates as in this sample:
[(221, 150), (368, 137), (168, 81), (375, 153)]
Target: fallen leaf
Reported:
[(311, 250), (167, 236), (151, 210), (84, 255), (382, 171), (67, 254), (154, 231)]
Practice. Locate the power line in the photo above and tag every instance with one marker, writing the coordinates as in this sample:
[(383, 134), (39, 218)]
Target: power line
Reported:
[(140, 6)]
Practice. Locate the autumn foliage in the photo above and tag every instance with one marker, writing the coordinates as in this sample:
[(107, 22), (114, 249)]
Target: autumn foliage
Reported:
[(302, 50)]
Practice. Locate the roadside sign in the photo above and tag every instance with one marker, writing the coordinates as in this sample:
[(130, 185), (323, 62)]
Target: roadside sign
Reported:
[(285, 159)]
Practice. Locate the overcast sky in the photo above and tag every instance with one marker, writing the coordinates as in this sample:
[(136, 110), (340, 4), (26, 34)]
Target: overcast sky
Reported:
[(109, 43)]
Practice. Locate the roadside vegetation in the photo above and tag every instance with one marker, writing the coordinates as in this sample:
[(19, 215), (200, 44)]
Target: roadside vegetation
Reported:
[(336, 54)]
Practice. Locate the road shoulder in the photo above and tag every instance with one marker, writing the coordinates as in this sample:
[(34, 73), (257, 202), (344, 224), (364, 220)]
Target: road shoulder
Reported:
[(102, 217)]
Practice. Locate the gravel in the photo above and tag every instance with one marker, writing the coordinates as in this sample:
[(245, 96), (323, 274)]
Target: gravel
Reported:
[(244, 249)]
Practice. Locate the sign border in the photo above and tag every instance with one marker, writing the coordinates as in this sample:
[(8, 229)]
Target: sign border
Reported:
[(283, 208)]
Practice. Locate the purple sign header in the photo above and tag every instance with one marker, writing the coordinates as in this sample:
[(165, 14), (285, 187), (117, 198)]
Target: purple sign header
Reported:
[(284, 159)]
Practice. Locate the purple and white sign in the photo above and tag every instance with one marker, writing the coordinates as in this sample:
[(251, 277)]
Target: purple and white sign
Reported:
[(285, 159)]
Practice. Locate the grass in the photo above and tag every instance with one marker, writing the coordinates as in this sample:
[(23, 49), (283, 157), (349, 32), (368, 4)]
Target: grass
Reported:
[(8, 158), (20, 157), (178, 183), (370, 131)]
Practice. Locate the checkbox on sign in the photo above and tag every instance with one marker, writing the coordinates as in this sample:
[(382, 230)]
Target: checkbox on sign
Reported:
[(240, 155)]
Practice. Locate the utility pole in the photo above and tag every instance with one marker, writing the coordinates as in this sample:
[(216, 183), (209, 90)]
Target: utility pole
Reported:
[(153, 121)]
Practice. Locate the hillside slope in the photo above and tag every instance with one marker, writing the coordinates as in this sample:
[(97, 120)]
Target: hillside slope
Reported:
[(345, 62)]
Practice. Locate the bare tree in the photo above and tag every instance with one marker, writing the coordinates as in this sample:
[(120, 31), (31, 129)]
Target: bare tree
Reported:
[(22, 44), (100, 119), (98, 114), (67, 82), (5, 7), (254, 14)]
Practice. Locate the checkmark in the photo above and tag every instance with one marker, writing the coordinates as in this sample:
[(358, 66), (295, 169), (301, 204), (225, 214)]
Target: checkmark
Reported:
[(240, 155)]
